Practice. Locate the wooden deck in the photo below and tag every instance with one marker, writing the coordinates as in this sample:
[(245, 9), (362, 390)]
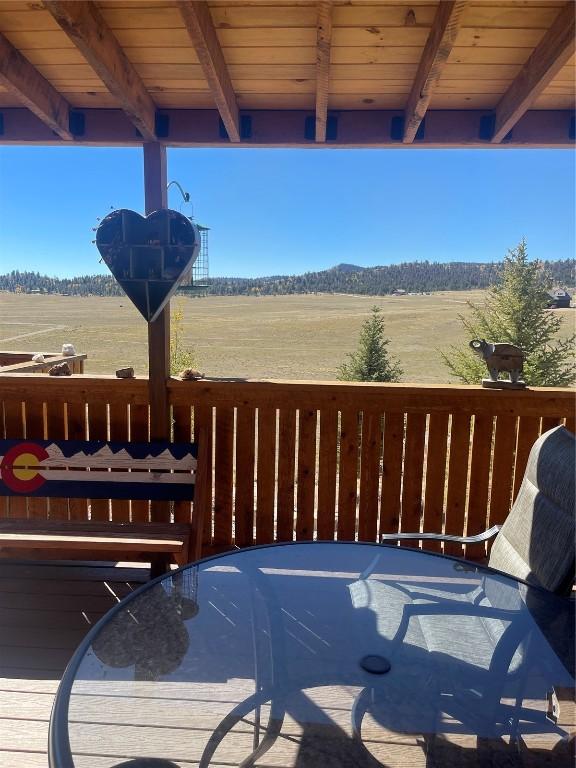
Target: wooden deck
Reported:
[(45, 610)]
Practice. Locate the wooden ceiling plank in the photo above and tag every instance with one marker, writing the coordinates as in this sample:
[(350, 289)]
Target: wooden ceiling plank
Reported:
[(323, 45), (84, 25), (552, 53), (32, 90), (436, 51), (200, 27)]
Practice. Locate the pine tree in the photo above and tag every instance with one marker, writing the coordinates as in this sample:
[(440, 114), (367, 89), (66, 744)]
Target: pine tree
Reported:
[(371, 361), (515, 312), (181, 357)]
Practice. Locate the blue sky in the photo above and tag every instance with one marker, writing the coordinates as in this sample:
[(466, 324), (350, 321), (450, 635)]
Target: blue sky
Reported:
[(291, 211)]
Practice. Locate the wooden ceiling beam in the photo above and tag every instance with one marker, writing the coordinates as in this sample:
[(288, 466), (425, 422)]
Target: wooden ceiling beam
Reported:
[(198, 21), (436, 51), (286, 128), (550, 55), (33, 90), (323, 46), (85, 26)]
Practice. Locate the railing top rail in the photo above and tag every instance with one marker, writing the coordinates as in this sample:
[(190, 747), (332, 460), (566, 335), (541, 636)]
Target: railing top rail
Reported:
[(416, 398), (77, 388)]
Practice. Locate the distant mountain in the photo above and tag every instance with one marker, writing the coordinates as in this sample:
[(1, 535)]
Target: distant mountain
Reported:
[(412, 277), (346, 268)]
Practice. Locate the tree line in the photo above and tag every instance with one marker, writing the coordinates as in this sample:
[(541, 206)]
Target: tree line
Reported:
[(412, 277), (84, 285)]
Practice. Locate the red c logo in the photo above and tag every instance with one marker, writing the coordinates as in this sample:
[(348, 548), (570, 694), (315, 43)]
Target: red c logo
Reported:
[(19, 467)]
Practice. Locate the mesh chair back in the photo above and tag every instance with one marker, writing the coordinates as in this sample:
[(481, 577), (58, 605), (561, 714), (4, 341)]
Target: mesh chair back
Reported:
[(536, 543)]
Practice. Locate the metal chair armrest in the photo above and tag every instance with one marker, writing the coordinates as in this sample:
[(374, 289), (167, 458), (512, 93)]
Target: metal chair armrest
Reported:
[(479, 537)]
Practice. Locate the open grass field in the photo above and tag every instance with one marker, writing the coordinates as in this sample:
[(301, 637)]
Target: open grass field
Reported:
[(288, 337)]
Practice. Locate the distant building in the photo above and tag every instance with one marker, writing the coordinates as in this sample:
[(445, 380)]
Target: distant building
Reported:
[(398, 292), (559, 299)]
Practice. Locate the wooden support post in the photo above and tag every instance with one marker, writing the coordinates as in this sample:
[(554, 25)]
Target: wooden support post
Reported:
[(323, 44), (156, 197)]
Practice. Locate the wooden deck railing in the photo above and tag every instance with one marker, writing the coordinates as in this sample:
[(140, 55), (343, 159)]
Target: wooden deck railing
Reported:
[(306, 460), (21, 362)]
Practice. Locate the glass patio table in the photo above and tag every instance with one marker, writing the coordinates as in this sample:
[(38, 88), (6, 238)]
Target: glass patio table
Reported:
[(323, 654)]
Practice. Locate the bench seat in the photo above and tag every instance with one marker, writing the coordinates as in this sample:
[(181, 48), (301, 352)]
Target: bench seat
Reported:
[(161, 472), (158, 543)]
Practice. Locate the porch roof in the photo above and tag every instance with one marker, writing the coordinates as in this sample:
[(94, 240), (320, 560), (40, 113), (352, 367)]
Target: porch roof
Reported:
[(288, 73)]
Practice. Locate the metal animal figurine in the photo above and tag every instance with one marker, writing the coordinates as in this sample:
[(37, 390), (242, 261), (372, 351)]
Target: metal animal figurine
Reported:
[(500, 358)]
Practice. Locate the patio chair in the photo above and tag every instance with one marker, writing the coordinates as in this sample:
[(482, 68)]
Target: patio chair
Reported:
[(536, 542), (481, 652)]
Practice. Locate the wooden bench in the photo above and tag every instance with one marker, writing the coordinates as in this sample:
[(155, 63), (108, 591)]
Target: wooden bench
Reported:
[(99, 470)]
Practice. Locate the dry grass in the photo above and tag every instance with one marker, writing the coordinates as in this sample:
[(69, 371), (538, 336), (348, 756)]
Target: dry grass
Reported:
[(291, 337)]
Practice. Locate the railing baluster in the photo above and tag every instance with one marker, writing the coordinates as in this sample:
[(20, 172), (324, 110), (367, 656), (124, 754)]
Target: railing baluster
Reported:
[(56, 423), (436, 478), (549, 422), (35, 430), (369, 475), (479, 479), (202, 510), (327, 468), (391, 473), (306, 474), (120, 508), (182, 418), (98, 430), (502, 469), (413, 470), (223, 478), (245, 464), (14, 506), (457, 479), (348, 475), (76, 424), (139, 433), (266, 475), (286, 468)]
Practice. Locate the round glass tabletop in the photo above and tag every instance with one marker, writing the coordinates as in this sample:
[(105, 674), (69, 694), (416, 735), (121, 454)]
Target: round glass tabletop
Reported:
[(323, 654)]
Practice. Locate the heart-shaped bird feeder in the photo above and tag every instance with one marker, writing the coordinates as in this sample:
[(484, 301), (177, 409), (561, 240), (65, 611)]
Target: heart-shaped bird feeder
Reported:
[(149, 256)]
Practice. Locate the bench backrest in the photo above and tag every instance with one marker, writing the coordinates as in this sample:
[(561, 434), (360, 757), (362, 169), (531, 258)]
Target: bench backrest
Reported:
[(98, 469)]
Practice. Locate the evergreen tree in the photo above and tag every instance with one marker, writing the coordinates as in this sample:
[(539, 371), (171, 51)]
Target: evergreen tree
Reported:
[(515, 312), (181, 356), (371, 361)]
